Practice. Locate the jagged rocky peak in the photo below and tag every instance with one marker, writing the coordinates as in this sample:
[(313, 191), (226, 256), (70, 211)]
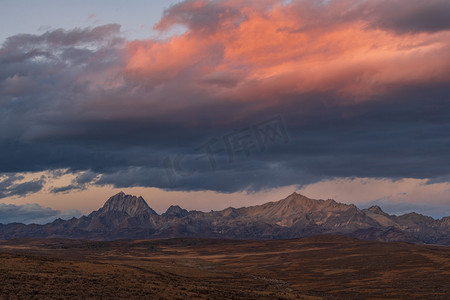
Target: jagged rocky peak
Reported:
[(132, 205), (127, 216), (295, 198), (445, 221), (415, 217), (299, 200), (375, 209), (293, 204), (175, 210)]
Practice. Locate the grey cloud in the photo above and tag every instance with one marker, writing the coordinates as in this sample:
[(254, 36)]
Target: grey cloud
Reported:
[(55, 115), (85, 178), (399, 136), (9, 180), (205, 18), (45, 79), (108, 34), (405, 16), (10, 187), (400, 16), (65, 189), (32, 213), (78, 183)]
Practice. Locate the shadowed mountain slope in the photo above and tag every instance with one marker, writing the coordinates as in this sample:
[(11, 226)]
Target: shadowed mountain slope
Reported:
[(126, 216)]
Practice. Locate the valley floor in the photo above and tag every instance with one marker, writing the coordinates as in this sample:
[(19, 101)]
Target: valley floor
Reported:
[(320, 267)]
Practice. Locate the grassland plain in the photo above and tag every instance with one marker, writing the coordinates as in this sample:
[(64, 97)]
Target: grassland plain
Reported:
[(320, 267)]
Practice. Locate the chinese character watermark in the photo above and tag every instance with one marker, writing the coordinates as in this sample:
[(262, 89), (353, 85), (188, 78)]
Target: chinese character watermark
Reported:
[(242, 141)]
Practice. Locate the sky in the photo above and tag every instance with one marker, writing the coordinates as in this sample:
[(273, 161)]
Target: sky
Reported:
[(211, 104)]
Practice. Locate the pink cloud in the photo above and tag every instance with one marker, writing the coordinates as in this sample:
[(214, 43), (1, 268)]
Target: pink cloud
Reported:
[(299, 47)]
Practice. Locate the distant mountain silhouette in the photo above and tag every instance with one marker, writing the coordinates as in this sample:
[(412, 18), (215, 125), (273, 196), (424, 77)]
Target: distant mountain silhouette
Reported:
[(126, 216)]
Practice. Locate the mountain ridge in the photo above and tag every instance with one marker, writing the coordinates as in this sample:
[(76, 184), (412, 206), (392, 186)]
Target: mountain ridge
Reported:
[(129, 204), (127, 216)]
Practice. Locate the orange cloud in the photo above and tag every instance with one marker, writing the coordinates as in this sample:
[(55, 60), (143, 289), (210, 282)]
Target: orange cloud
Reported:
[(242, 51)]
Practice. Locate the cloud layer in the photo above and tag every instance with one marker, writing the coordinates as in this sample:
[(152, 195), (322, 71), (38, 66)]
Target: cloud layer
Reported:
[(13, 185), (362, 91), (33, 213)]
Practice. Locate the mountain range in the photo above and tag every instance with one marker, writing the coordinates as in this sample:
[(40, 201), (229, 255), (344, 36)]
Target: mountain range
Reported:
[(129, 217)]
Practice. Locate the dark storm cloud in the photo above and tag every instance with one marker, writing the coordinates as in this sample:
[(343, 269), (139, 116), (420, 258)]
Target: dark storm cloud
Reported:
[(402, 136), (88, 101)]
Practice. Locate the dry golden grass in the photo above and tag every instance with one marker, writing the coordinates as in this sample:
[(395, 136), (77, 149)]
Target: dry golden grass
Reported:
[(330, 267)]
